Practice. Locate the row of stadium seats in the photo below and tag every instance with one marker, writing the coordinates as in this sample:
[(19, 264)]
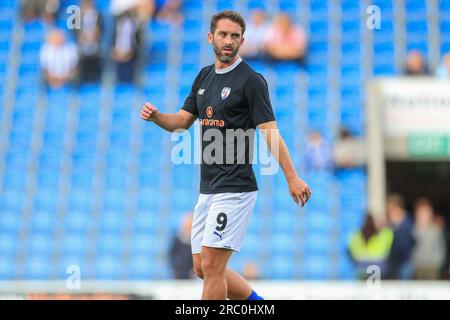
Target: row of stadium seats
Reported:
[(85, 182)]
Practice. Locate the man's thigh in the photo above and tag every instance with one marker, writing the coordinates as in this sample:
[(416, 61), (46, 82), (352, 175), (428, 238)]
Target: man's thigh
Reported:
[(227, 220)]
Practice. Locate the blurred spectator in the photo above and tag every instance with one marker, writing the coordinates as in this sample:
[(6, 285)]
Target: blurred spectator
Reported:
[(286, 41), (443, 70), (32, 9), (180, 251), (429, 250), (126, 45), (349, 151), (169, 11), (250, 271), (317, 153), (40, 9), (255, 36), (370, 246), (142, 9), (58, 59), (88, 38), (400, 257), (442, 223), (415, 64), (145, 10)]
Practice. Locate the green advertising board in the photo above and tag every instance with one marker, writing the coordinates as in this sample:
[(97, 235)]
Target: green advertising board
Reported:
[(428, 145)]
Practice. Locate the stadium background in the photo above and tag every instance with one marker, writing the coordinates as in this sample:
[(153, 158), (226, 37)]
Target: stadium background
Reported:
[(84, 181)]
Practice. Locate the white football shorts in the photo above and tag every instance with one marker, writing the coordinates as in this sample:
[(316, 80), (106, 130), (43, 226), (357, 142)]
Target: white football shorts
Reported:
[(220, 220)]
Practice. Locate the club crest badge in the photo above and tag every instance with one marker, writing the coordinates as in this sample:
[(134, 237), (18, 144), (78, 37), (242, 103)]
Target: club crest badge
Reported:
[(225, 93)]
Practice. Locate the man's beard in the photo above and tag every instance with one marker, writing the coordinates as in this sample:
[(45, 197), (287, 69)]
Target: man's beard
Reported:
[(225, 58)]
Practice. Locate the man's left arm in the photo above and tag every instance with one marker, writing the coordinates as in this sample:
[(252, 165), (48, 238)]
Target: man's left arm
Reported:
[(298, 189)]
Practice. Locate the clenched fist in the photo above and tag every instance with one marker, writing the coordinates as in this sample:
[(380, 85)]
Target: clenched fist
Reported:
[(148, 112)]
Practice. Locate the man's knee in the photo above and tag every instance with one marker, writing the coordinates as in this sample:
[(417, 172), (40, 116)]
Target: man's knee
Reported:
[(211, 267)]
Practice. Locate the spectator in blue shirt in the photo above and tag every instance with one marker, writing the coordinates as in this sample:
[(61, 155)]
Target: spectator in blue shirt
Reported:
[(400, 257), (317, 153)]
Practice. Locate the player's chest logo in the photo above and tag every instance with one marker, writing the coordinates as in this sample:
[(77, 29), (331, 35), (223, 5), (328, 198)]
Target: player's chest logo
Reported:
[(225, 93), (209, 111), (201, 91)]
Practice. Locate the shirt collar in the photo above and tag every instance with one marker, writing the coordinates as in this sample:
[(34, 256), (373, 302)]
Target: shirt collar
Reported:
[(229, 68)]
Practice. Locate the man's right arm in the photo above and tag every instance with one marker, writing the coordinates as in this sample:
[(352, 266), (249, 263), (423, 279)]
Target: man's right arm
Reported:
[(168, 121)]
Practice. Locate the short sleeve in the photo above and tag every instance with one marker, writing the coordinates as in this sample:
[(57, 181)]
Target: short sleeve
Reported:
[(257, 94), (190, 104)]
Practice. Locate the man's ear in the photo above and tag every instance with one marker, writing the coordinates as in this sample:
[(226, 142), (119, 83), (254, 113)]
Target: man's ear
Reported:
[(242, 40), (210, 37)]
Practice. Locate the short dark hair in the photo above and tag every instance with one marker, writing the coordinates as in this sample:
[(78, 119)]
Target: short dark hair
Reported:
[(227, 14)]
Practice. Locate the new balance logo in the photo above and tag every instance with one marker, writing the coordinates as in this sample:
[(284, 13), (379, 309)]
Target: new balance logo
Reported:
[(218, 234)]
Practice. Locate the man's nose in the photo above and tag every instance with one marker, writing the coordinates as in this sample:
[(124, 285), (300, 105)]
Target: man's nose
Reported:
[(228, 40)]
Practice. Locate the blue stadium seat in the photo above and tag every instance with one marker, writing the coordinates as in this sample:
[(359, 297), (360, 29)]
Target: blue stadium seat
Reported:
[(225, 5), (350, 9), (38, 267), (78, 221), (8, 267), (350, 28), (18, 158), (347, 270), (8, 243), (114, 199), (79, 177), (387, 69), (319, 221), (4, 50), (146, 242), (14, 179), (41, 243), (142, 267), (6, 25), (108, 267), (281, 267), (43, 221), (109, 243), (319, 30), (288, 5), (112, 221), (159, 30), (384, 52), (283, 243), (282, 222), (46, 199), (253, 242), (10, 221), (415, 6), (317, 268), (318, 243), (256, 4), (115, 178), (75, 243), (319, 7), (11, 200), (146, 221)]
